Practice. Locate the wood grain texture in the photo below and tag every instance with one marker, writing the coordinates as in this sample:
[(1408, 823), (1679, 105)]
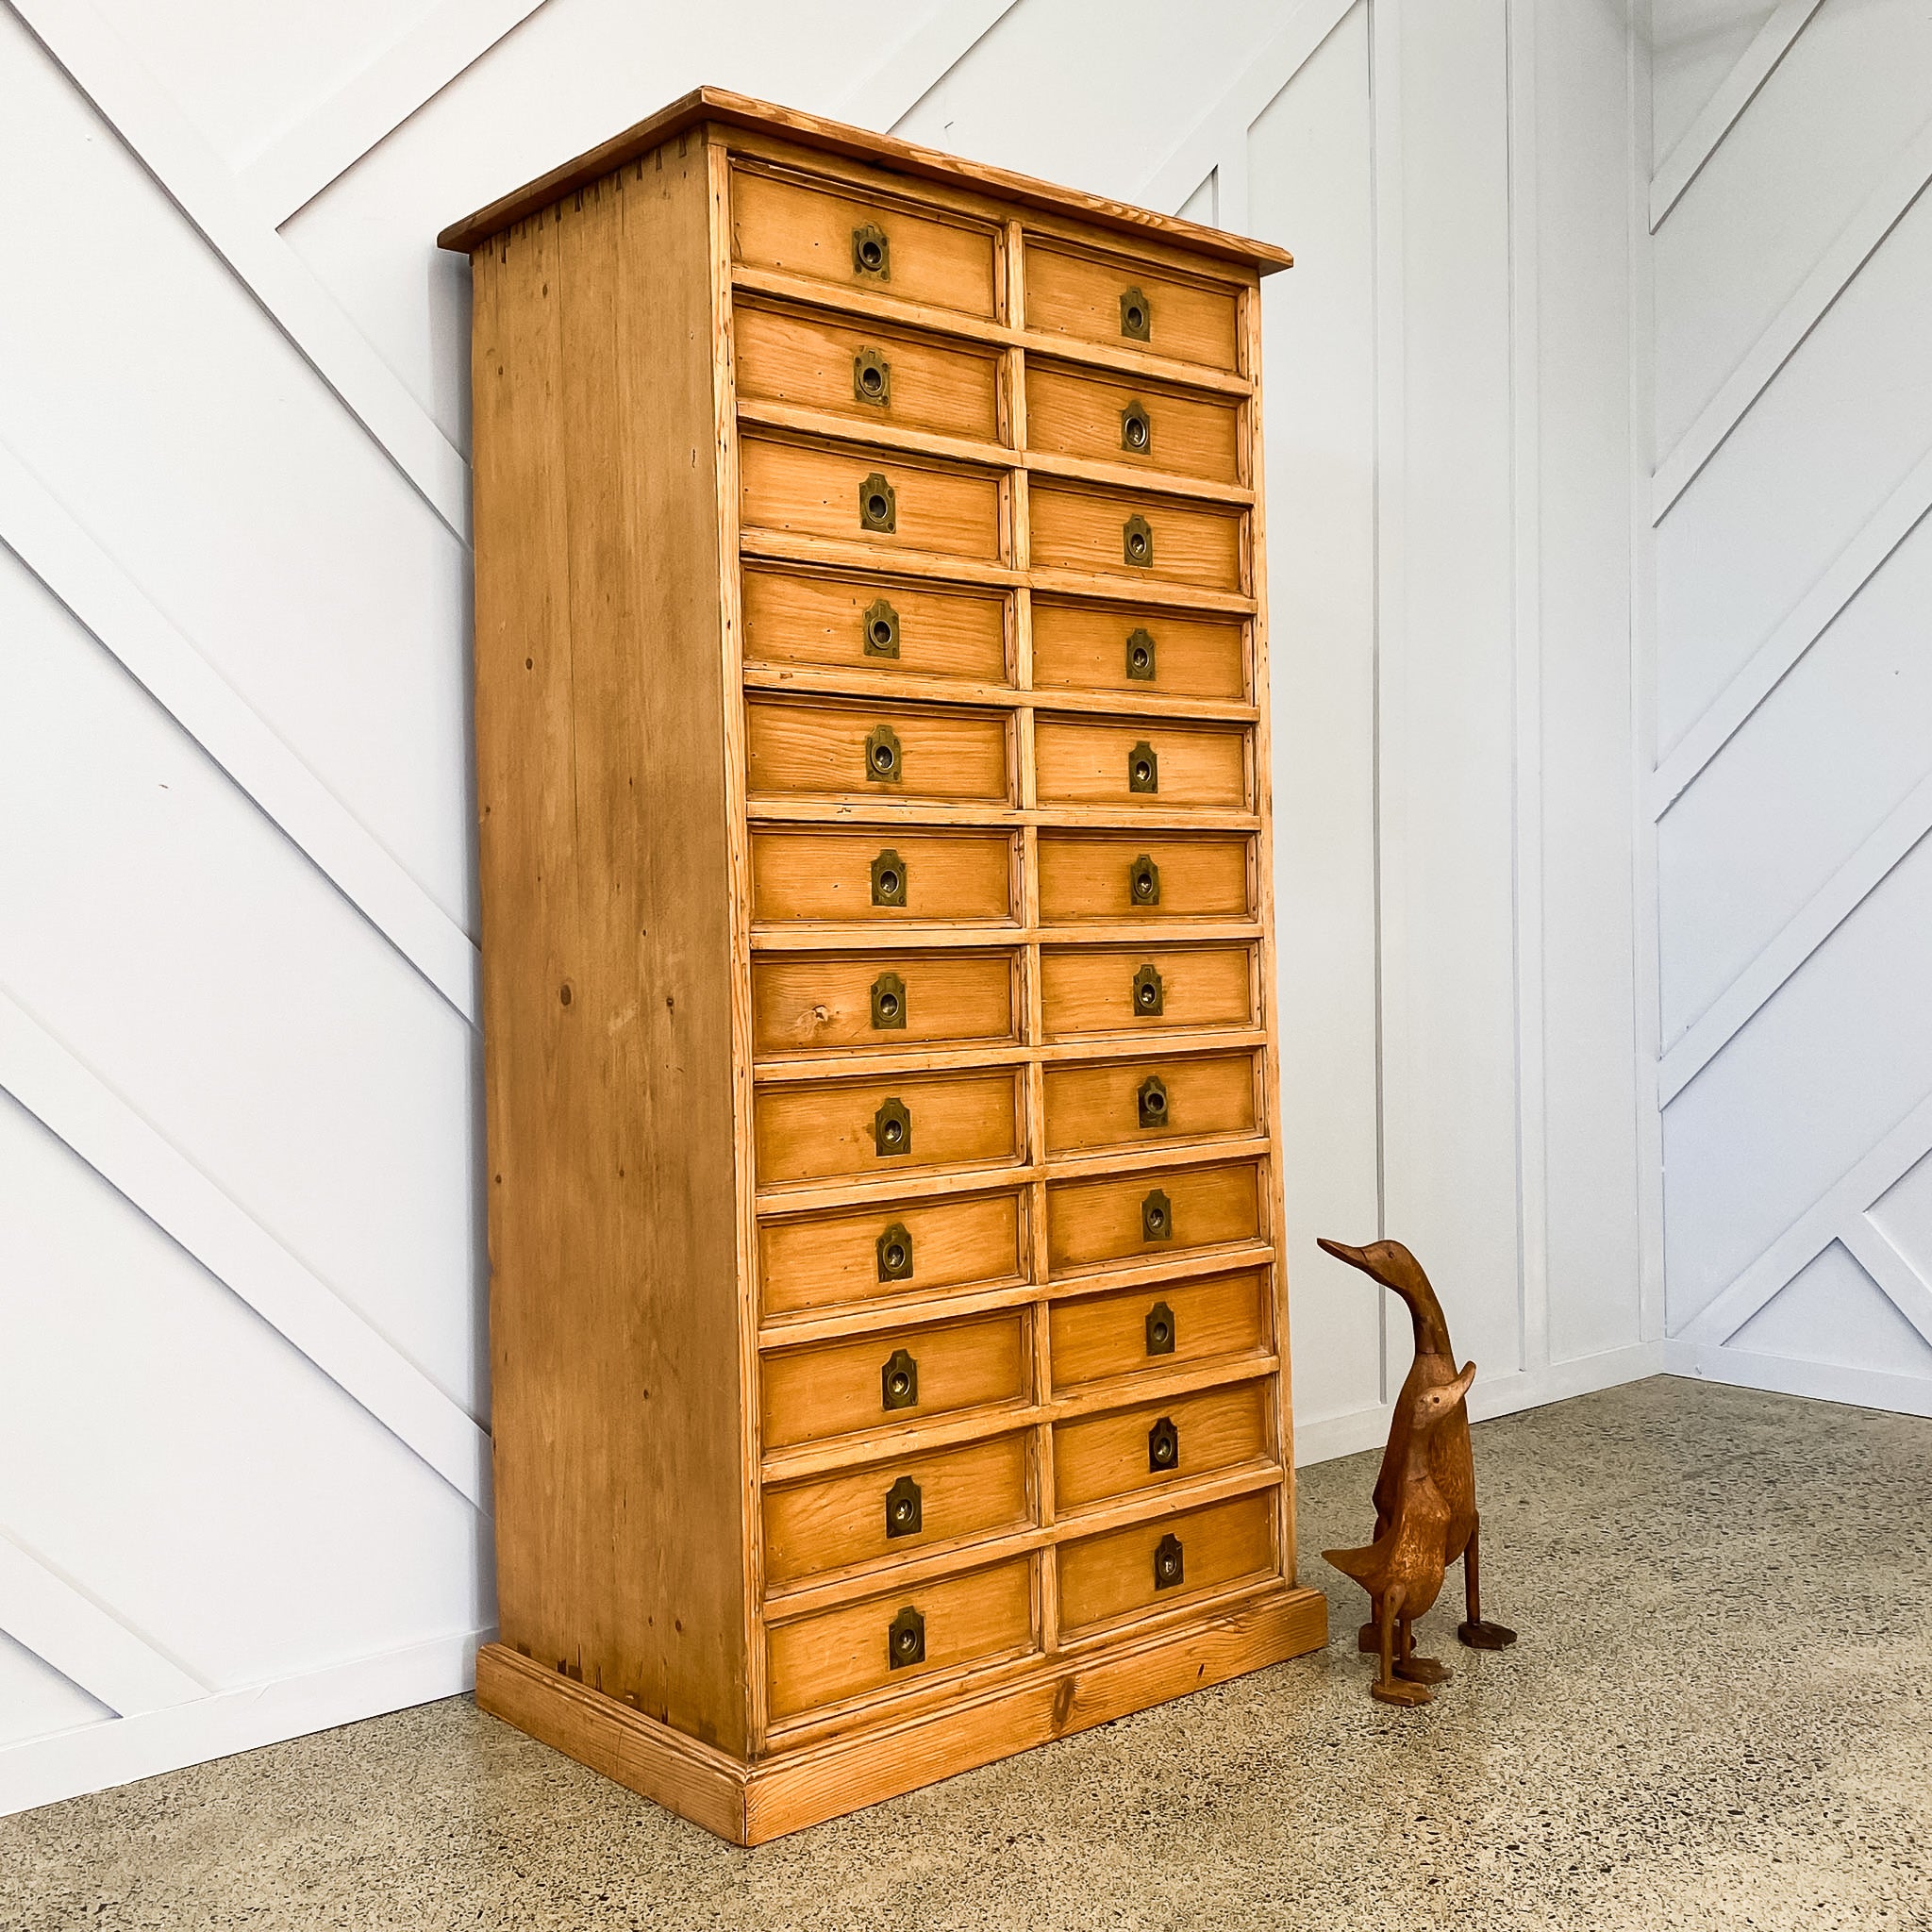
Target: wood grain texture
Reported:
[(822, 1002), (1087, 991), (827, 874), (1099, 1337), (1082, 529), (1078, 412), (1088, 644), (817, 1131), (1092, 1221), (827, 749), (1097, 1103), (1085, 877), (817, 618), (1077, 293), (1079, 762), (1105, 1578), (813, 490), (1100, 1456), (606, 954)]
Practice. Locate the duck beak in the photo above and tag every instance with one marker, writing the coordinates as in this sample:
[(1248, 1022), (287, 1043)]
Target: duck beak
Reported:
[(1355, 1258)]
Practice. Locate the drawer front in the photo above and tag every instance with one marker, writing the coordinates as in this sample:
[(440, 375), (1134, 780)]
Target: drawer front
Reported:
[(895, 1508), (1077, 414), (1136, 1103), (1116, 533), (859, 624), (869, 496), (1087, 877), (1136, 1217), (1141, 764), (825, 1131), (881, 875), (899, 1375), (851, 1650), (1089, 647), (1155, 1443), (1147, 990), (1166, 1326), (1103, 1577), (1131, 305), (796, 747), (906, 1247), (808, 1003), (872, 375), (831, 234)]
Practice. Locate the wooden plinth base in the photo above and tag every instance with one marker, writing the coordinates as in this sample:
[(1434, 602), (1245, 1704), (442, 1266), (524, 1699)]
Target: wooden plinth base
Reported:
[(751, 1803)]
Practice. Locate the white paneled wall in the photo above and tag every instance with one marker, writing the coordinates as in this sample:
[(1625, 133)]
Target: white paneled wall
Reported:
[(243, 1460), (1792, 263)]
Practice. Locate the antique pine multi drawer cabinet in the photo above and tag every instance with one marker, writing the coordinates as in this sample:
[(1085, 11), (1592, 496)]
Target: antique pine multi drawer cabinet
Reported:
[(888, 1306)]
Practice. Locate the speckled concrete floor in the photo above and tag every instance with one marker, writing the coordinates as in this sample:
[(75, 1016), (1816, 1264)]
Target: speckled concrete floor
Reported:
[(1720, 1715)]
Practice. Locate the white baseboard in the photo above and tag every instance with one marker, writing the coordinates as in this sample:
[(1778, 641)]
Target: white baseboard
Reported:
[(1368, 1428), (116, 1751), (1780, 1374)]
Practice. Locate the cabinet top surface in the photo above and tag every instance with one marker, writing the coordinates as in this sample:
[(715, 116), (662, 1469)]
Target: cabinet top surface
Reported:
[(724, 109)]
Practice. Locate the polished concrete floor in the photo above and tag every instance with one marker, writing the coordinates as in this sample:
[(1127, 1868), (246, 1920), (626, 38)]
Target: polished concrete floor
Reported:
[(1720, 1714)]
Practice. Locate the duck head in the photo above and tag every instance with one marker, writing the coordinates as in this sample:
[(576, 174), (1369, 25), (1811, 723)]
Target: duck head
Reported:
[(1432, 1404), (1396, 1269)]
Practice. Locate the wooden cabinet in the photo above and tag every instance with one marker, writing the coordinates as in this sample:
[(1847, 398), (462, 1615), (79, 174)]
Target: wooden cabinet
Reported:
[(888, 1320)]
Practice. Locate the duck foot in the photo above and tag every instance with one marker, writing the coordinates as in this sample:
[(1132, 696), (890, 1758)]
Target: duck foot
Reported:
[(1401, 1692), (1424, 1669), (1486, 1635)]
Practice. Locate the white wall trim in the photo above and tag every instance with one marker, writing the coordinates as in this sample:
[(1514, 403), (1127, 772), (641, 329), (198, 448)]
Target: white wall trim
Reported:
[(114, 609), (1778, 1375), (85, 1641), (1735, 93), (43, 1771), (1900, 1283), (1852, 1196), (298, 163), (239, 1253), (1802, 934), (890, 91), (161, 138), (1857, 241)]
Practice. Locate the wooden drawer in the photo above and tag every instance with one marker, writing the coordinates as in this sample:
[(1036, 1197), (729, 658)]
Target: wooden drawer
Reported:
[(1131, 305), (1133, 1217), (899, 1375), (1120, 533), (802, 747), (1155, 1443), (883, 874), (803, 227), (860, 624), (829, 1130), (1166, 1326), (1088, 876), (812, 1002), (873, 375), (1101, 1104), (1099, 761), (1109, 420), (1106, 1577), (1146, 988), (870, 496), (895, 1508), (1102, 647), (904, 1247), (847, 1651)]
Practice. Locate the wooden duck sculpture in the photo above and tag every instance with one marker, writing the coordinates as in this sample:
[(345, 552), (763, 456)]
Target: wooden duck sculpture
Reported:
[(1402, 1570), (1452, 1462)]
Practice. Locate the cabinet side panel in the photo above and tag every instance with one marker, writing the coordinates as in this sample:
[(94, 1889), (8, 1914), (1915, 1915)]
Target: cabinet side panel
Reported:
[(607, 951)]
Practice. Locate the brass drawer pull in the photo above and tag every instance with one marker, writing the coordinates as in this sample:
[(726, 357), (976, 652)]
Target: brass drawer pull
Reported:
[(889, 880), (1143, 769), (881, 626), (1141, 656), (905, 1509), (1144, 882), (891, 1128), (1137, 316), (1168, 1569), (895, 1254), (872, 379), (1137, 541), (1152, 1100), (1163, 1446), (889, 1003), (1137, 429), (872, 253), (1161, 1329), (878, 507), (1150, 996), (1156, 1218), (885, 763), (899, 1381), (906, 1641)]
